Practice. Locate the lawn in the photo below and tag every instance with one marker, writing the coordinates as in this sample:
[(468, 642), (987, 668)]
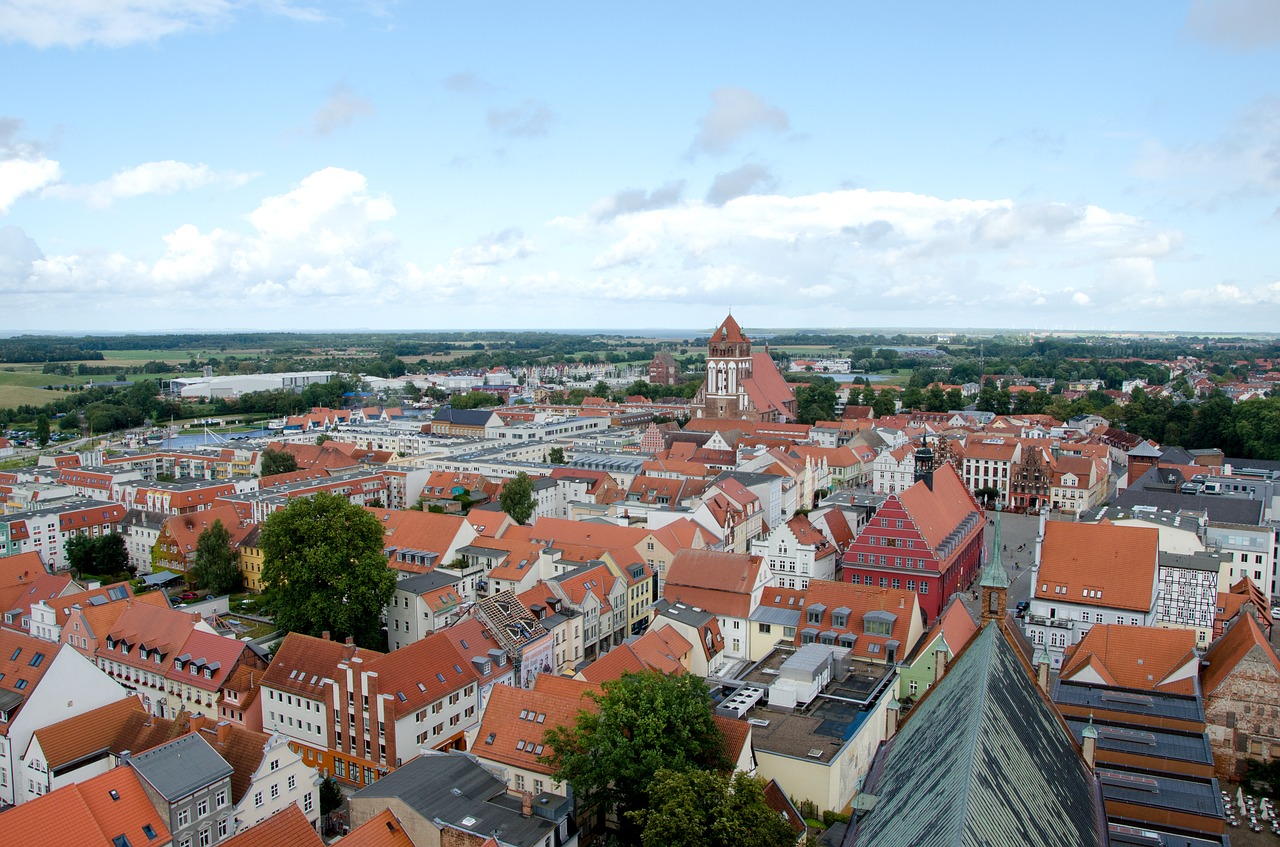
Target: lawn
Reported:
[(35, 379), (12, 396)]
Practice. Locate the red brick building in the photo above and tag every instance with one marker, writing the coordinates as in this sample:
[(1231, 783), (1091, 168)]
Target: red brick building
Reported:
[(927, 539)]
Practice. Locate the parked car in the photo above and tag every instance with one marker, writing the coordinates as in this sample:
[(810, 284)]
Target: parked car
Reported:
[(188, 596), (1021, 608)]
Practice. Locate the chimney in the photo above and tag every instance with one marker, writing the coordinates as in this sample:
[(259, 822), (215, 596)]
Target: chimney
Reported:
[(893, 710), (526, 804), (351, 641), (223, 731), (939, 664), (325, 635), (1042, 670), (1089, 743)]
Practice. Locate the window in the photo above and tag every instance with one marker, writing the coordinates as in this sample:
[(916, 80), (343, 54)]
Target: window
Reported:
[(275, 790), (220, 800), (307, 802), (206, 837), (184, 817), (275, 763), (202, 808), (222, 828), (765, 628), (293, 782), (257, 796), (914, 686)]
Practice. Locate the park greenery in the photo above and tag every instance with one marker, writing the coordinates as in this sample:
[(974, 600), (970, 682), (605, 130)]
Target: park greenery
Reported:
[(324, 569), (104, 555), (705, 808), (639, 725)]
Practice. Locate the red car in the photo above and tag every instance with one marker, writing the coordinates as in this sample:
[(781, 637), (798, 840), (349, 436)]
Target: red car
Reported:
[(188, 596)]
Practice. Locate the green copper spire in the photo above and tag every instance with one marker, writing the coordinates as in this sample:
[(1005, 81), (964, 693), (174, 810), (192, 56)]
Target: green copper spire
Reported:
[(994, 575)]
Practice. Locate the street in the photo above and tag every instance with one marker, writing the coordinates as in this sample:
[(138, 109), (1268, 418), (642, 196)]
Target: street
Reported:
[(1018, 538)]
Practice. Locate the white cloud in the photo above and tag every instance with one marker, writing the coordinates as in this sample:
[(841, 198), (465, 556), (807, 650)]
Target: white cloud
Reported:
[(24, 168), (495, 249), (118, 23), (166, 177), (734, 113), (342, 109)]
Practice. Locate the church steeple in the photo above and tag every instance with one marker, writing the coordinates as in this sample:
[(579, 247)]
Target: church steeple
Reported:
[(995, 581)]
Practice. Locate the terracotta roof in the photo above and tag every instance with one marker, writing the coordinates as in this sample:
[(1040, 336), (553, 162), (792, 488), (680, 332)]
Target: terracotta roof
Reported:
[(994, 449), (424, 531), (956, 624), (553, 530), (20, 568), (288, 827), (73, 739), (775, 798), (382, 830), (938, 511), (1141, 657), (88, 814), (824, 597), (184, 530), (301, 662), (23, 663), (422, 672), (1228, 651), (837, 525), (681, 534), (1098, 565), (507, 737), (736, 735), (659, 650), (213, 657), (18, 598), (716, 581)]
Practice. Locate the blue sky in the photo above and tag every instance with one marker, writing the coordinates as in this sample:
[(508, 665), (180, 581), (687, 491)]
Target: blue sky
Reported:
[(215, 164)]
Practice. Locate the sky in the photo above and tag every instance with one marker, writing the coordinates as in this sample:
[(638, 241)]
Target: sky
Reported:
[(309, 165)]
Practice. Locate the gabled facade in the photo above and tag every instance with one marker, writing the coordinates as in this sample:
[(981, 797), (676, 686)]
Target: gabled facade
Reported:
[(797, 552)]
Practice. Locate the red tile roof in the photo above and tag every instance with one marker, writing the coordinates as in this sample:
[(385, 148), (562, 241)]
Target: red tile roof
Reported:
[(516, 719), (1140, 657), (288, 827), (938, 511), (1098, 565), (718, 582), (382, 830), (301, 662), (422, 672), (88, 814), (1231, 649)]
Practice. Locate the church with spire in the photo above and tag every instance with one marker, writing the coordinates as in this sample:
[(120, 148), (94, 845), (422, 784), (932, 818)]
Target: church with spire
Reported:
[(740, 384)]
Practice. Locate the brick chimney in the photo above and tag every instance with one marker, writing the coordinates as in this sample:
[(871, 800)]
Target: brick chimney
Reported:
[(325, 635), (1042, 669), (224, 731), (526, 804), (351, 641), (939, 663), (893, 710), (1089, 743)]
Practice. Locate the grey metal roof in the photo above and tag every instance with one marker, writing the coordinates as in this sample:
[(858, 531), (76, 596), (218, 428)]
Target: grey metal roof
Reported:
[(1154, 704), (772, 614), (451, 788), (1238, 510), (983, 760), (1204, 561), (1148, 741), (1197, 796), (429, 581), (685, 614), (181, 767)]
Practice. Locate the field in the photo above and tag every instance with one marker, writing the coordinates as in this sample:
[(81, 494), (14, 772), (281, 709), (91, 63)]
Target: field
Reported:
[(12, 396), (11, 375)]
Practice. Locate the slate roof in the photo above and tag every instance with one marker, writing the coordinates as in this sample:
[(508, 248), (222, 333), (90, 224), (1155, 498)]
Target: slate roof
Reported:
[(983, 759), (179, 768), (451, 789)]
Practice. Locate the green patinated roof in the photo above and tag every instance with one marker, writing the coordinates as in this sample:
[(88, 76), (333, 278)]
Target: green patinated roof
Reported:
[(982, 762), (994, 575)]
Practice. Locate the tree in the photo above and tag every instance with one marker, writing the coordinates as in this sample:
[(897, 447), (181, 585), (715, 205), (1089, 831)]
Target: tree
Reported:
[(330, 795), (600, 389), (324, 569), (42, 430), (475, 400), (80, 549), (556, 455), (517, 498), (696, 808), (278, 461), (214, 567), (885, 403), (322, 438), (642, 723)]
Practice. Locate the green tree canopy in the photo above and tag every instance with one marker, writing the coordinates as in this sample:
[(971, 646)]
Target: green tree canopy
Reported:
[(696, 808), (106, 555), (42, 430), (214, 567), (644, 723), (516, 498), (476, 400), (556, 455), (278, 461), (324, 569)]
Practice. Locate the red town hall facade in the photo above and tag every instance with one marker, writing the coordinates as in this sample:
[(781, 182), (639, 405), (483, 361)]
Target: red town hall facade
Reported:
[(926, 539)]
